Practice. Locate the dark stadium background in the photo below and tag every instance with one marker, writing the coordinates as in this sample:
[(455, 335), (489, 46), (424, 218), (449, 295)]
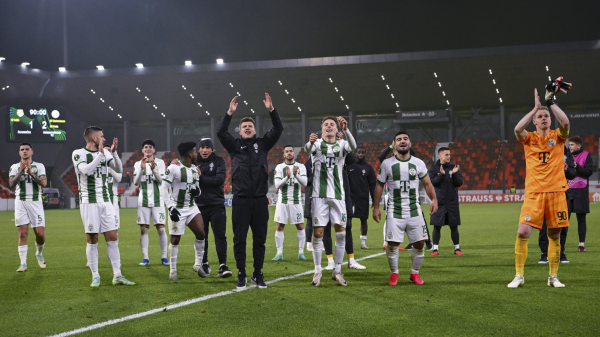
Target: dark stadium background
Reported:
[(464, 72)]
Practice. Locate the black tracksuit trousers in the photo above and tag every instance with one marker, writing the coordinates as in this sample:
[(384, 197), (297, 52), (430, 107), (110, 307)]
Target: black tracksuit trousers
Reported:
[(249, 213), (217, 217)]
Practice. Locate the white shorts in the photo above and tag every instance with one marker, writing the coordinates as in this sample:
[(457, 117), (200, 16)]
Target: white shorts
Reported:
[(289, 214), (325, 210), (178, 228), (414, 228), (29, 212), (158, 214), (99, 217)]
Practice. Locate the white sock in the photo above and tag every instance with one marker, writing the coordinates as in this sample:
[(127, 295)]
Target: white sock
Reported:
[(162, 240), (582, 244), (435, 247), (112, 250), (301, 236), (173, 249), (417, 260), (144, 241), (317, 253), (279, 242), (340, 248), (392, 255), (456, 247), (23, 254), (40, 248), (199, 248), (91, 251), (330, 260), (351, 260), (363, 239)]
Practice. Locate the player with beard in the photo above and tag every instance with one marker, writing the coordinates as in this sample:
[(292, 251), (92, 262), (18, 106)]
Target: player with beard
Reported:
[(328, 197), (289, 176), (402, 174), (27, 177), (97, 213)]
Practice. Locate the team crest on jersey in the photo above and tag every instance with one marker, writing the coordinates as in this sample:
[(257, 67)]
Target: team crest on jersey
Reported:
[(412, 172), (551, 142), (76, 157), (336, 149), (211, 166), (527, 217)]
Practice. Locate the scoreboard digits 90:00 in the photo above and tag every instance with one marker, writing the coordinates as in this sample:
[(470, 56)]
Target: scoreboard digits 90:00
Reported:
[(27, 124)]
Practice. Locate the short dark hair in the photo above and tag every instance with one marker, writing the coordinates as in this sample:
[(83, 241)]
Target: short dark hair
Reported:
[(329, 117), (149, 142), (107, 145), (185, 148), (87, 134), (401, 133), (577, 140), (247, 119), (443, 149), (30, 146), (288, 145), (361, 147)]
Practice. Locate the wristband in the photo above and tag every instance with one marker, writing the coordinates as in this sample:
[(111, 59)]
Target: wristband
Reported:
[(550, 102)]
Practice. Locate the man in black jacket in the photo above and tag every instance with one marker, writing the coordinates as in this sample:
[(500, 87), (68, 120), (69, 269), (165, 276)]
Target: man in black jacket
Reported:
[(362, 178), (249, 172), (570, 173), (211, 203), (446, 178)]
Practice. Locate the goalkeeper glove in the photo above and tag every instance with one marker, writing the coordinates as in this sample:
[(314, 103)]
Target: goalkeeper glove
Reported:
[(174, 214), (553, 87), (195, 192)]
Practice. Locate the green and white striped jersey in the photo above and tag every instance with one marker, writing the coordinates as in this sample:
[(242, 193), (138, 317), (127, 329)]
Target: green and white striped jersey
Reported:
[(290, 190), (149, 186), (328, 164), (403, 179), (91, 168), (27, 189), (180, 180)]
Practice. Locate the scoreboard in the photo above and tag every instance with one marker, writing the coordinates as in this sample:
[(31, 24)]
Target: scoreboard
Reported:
[(36, 124)]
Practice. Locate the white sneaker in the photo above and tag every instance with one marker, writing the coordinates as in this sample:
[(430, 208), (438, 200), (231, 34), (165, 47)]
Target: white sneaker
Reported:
[(173, 275), (330, 266), (309, 246), (363, 246), (41, 261), (554, 282), (519, 279), (317, 279), (356, 265)]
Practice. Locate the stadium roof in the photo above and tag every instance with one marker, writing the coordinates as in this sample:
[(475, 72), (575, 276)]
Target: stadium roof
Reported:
[(416, 80)]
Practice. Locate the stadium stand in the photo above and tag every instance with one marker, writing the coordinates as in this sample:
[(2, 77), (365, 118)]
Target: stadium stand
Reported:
[(477, 159), (5, 192)]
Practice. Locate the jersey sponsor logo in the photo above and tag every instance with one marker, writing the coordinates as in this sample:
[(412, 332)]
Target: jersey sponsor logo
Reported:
[(543, 156), (551, 142)]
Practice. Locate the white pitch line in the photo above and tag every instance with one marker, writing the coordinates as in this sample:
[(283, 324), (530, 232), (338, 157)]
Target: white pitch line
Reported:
[(184, 303)]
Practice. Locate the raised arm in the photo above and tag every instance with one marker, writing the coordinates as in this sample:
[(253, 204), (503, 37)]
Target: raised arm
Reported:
[(118, 164), (272, 136), (383, 154), (520, 131), (311, 142), (14, 178), (137, 172), (223, 134), (89, 168), (349, 137), (156, 172)]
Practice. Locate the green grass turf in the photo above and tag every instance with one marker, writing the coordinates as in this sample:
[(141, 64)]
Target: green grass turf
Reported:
[(462, 295)]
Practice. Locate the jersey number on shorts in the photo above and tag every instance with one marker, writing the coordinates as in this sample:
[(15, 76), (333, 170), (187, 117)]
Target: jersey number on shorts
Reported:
[(562, 216), (161, 216)]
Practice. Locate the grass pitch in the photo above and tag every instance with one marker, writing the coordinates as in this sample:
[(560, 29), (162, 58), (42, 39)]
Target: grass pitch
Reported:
[(462, 295)]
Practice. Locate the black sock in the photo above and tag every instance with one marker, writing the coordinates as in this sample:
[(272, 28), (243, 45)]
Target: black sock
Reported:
[(436, 235), (454, 234)]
